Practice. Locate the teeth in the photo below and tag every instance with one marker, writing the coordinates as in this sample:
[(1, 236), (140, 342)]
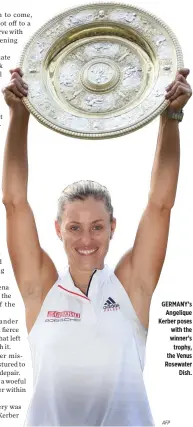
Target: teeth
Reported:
[(86, 252)]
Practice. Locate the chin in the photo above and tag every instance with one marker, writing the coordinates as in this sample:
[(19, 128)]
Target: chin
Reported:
[(89, 262)]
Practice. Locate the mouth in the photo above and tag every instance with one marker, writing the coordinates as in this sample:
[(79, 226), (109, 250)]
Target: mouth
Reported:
[(86, 251)]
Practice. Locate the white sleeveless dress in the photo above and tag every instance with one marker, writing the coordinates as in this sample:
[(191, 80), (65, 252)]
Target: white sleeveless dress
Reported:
[(88, 357)]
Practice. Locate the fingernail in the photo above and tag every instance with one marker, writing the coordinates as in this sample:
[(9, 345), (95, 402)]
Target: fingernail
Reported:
[(25, 85)]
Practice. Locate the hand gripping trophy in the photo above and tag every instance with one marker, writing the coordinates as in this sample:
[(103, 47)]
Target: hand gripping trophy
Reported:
[(96, 71)]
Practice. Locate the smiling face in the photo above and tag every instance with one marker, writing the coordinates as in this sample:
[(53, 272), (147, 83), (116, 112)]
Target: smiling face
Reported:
[(86, 231)]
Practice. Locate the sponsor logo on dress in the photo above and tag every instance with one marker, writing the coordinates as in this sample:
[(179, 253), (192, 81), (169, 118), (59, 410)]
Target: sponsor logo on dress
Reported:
[(111, 305), (62, 316)]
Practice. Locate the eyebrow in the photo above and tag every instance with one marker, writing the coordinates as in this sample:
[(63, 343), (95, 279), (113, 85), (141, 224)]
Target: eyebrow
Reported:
[(93, 222)]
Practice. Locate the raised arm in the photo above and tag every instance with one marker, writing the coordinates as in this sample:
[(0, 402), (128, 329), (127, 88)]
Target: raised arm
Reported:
[(140, 268), (34, 271)]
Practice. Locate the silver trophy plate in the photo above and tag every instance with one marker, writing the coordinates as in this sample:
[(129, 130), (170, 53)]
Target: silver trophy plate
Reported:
[(100, 70)]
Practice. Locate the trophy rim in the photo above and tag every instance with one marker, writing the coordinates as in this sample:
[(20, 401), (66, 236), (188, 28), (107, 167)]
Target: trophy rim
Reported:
[(120, 132)]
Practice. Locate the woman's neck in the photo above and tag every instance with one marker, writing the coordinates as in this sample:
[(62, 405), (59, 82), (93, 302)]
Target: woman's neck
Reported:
[(81, 278)]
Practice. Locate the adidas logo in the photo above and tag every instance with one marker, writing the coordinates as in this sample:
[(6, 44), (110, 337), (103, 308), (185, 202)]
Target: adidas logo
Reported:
[(111, 305)]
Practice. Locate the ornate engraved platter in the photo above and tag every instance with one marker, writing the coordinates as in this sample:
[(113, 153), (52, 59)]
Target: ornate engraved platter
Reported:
[(100, 70)]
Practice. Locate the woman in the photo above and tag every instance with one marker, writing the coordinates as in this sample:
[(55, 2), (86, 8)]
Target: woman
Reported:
[(88, 329)]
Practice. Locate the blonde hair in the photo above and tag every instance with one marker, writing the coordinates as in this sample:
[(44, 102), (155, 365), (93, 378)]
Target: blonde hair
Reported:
[(81, 190)]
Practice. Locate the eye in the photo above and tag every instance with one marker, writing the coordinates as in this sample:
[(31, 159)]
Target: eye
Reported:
[(74, 227), (97, 227)]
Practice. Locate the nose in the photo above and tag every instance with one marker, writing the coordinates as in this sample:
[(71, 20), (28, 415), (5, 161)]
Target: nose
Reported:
[(86, 238)]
